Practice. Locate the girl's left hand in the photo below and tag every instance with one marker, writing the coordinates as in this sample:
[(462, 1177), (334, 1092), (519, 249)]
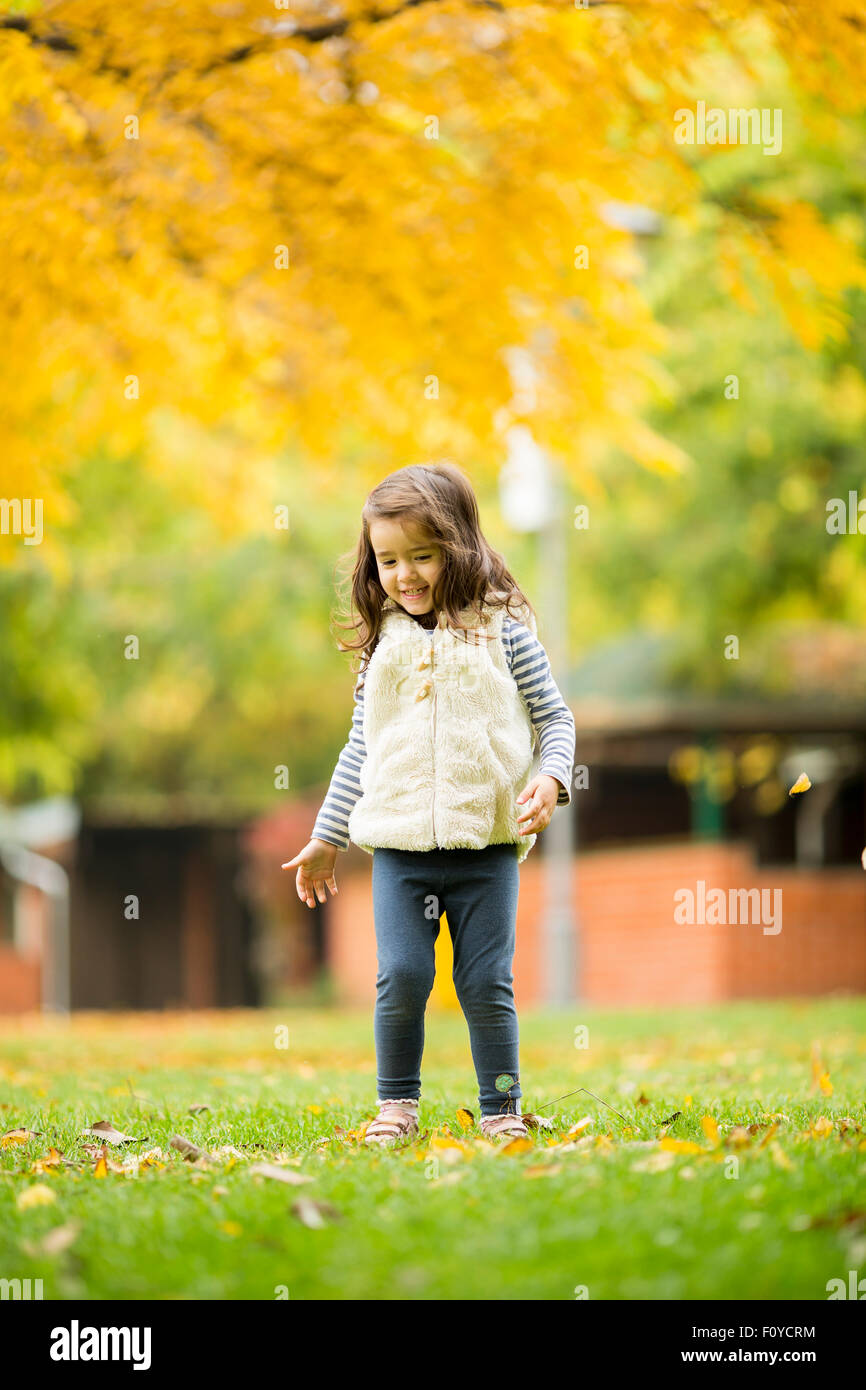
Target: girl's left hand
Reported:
[(545, 791)]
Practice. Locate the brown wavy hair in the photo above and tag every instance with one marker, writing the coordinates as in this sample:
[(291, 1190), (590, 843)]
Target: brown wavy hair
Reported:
[(440, 498)]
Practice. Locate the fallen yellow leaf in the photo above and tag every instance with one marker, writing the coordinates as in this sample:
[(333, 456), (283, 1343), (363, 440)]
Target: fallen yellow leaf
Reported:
[(680, 1146), (710, 1128), (821, 1128), (39, 1195), (802, 784), (518, 1146), (17, 1136)]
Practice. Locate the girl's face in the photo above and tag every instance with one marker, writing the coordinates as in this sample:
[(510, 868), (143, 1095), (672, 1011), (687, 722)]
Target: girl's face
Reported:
[(409, 562)]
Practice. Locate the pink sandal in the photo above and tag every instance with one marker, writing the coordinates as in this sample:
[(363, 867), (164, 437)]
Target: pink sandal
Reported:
[(504, 1127), (395, 1119)]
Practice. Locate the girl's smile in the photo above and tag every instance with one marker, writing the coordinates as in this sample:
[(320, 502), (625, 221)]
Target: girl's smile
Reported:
[(409, 563)]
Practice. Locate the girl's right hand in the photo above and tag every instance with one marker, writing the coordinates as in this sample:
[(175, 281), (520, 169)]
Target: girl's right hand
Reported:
[(315, 870)]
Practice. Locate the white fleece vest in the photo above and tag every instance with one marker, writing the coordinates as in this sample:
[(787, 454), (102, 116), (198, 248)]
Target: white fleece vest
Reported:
[(449, 740)]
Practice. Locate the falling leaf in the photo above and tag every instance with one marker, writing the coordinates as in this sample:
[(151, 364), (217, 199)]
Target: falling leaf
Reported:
[(273, 1170), (315, 1215), (710, 1128), (105, 1130), (465, 1118), (18, 1136), (802, 784), (39, 1195)]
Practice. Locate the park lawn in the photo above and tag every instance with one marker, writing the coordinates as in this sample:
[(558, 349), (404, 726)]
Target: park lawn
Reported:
[(620, 1214)]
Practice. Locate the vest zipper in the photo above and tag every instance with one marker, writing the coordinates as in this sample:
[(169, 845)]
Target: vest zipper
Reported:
[(433, 729)]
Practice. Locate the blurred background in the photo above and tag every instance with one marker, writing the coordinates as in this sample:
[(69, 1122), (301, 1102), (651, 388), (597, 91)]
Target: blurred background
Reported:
[(255, 260)]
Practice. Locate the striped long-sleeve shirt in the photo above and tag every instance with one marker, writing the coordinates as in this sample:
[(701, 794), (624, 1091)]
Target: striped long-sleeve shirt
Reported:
[(550, 716)]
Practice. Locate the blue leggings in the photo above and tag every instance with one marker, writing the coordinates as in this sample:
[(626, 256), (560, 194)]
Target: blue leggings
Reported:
[(477, 888)]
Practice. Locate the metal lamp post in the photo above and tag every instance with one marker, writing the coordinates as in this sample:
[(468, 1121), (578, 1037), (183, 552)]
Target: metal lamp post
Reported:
[(530, 493)]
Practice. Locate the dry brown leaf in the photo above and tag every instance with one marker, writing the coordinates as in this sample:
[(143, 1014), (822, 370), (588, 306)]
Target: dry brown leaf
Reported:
[(538, 1121), (273, 1170), (191, 1152), (654, 1163), (768, 1136), (739, 1136), (197, 1109), (54, 1243), (106, 1132), (315, 1215)]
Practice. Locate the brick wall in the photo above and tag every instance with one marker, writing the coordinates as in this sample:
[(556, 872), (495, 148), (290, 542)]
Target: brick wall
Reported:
[(20, 982), (633, 950)]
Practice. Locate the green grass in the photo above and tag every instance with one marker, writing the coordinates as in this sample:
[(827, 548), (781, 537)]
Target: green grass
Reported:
[(483, 1224)]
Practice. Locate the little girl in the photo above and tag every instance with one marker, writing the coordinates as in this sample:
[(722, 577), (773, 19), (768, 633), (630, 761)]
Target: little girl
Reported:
[(453, 694)]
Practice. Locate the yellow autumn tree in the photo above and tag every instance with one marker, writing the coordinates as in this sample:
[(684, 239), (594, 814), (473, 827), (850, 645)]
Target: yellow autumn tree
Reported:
[(231, 227)]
